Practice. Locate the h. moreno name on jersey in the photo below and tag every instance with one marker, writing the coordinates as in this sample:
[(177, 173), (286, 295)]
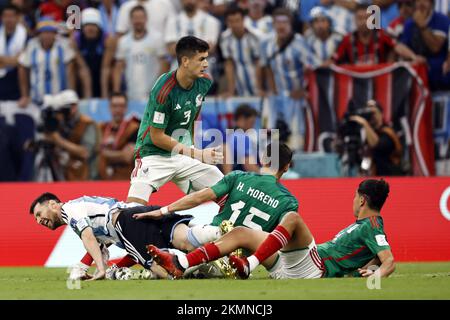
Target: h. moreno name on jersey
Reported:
[(259, 195)]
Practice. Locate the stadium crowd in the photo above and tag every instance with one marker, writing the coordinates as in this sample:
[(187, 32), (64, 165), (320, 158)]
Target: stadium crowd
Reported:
[(118, 49)]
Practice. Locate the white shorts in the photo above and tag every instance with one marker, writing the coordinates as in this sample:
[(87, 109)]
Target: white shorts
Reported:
[(298, 264), (152, 172)]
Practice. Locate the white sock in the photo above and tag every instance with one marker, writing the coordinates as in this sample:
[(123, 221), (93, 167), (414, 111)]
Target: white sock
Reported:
[(202, 234), (253, 262)]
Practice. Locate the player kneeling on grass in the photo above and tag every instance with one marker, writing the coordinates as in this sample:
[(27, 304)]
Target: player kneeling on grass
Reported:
[(101, 221), (355, 248)]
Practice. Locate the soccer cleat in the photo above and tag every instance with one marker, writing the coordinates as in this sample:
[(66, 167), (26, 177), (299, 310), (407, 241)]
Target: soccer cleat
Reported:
[(166, 260), (111, 272), (242, 266)]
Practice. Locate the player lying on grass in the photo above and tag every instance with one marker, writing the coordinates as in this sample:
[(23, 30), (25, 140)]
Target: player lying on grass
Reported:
[(106, 221), (355, 248)]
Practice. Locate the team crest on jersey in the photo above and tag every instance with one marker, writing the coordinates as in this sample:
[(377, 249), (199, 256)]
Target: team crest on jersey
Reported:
[(198, 100)]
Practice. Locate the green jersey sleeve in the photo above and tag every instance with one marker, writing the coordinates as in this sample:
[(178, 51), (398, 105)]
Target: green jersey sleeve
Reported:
[(375, 239), (225, 185), (158, 113)]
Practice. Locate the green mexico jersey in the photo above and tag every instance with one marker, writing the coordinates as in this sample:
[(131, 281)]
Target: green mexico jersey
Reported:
[(254, 200), (353, 247), (173, 109)]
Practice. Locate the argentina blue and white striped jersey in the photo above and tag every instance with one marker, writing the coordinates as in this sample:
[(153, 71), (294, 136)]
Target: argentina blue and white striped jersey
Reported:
[(244, 53), (343, 19), (142, 61), (263, 25), (48, 68), (94, 212), (323, 50), (288, 65), (202, 25), (442, 6)]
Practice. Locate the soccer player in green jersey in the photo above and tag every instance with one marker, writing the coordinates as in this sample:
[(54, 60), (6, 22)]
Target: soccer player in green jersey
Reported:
[(355, 248), (164, 147), (255, 200)]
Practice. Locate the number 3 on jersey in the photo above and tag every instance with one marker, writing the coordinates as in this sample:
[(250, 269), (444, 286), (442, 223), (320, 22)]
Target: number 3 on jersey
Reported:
[(237, 207), (187, 116)]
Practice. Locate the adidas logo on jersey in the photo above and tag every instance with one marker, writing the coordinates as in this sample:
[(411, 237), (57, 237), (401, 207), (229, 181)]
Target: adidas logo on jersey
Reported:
[(178, 107)]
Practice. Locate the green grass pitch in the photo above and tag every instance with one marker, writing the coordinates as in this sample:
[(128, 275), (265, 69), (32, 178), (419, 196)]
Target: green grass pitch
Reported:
[(410, 281)]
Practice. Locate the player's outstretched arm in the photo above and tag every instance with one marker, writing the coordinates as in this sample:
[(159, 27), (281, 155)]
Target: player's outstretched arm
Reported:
[(387, 265), (187, 202), (93, 248)]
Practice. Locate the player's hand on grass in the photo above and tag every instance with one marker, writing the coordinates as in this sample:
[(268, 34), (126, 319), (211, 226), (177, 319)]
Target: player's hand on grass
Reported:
[(212, 155), (99, 275), (155, 214), (365, 272)]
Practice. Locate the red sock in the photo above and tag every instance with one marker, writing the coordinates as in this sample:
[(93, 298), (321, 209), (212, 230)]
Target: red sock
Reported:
[(126, 261), (87, 259), (274, 242), (209, 252)]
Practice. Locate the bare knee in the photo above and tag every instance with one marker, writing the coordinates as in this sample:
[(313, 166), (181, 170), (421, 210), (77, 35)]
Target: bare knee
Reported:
[(291, 220)]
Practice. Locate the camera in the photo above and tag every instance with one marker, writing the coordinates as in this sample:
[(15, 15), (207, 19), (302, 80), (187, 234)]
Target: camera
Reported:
[(350, 144)]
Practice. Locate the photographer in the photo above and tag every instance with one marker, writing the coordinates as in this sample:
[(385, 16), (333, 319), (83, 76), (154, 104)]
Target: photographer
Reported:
[(76, 138), (382, 142)]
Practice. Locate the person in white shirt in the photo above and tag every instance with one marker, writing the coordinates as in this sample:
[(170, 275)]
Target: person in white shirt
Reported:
[(141, 54), (47, 65), (191, 22), (158, 12)]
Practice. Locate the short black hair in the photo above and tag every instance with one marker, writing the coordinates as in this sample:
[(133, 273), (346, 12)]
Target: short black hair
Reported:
[(233, 9), (138, 8), (11, 7), (284, 155), (46, 196), (118, 94), (375, 191), (189, 46), (244, 110)]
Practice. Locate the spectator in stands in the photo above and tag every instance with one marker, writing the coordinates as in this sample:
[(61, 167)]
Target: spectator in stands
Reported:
[(257, 17), (370, 46), (193, 22), (10, 152), (108, 12), (323, 40), (284, 57), (76, 140), (343, 18), (240, 150), (406, 9), (47, 64), (119, 136), (158, 13), (90, 43), (384, 144), (26, 13), (240, 48), (13, 38), (446, 66), (426, 34), (141, 55)]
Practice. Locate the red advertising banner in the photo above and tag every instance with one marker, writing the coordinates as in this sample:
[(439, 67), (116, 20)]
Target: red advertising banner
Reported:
[(416, 214)]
